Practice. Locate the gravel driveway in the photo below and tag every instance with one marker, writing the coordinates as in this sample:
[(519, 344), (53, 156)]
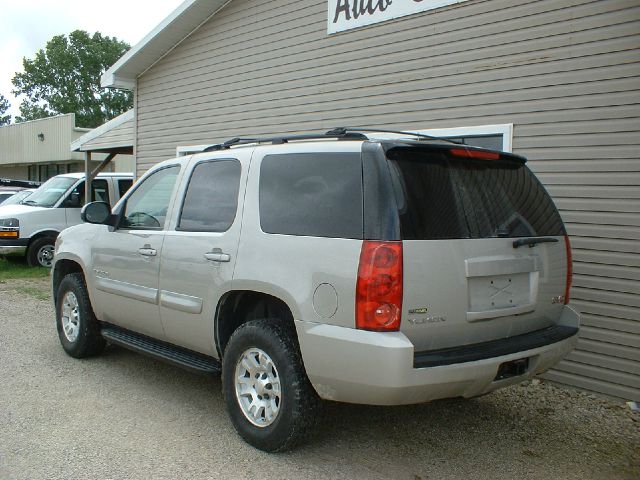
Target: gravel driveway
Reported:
[(125, 416)]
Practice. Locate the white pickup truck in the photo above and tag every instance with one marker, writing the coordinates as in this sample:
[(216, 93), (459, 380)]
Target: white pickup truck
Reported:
[(30, 228)]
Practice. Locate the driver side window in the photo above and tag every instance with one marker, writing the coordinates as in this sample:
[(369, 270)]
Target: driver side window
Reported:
[(147, 206)]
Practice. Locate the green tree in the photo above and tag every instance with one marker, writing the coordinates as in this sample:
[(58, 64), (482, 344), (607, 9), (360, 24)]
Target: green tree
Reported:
[(4, 106), (65, 78)]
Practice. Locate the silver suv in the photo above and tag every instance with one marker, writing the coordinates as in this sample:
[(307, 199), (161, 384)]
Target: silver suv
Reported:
[(339, 266)]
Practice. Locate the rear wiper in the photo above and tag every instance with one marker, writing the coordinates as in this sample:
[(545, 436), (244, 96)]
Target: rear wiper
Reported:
[(533, 241)]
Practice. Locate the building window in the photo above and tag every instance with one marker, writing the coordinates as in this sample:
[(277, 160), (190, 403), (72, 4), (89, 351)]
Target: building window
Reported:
[(495, 137)]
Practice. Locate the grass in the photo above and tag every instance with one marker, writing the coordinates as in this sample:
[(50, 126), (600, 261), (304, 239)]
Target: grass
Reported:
[(15, 269), (34, 292)]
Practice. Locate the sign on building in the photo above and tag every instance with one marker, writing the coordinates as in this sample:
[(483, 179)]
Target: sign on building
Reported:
[(347, 14)]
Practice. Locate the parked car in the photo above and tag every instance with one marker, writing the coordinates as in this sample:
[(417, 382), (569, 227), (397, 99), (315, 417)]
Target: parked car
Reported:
[(6, 193), (31, 228), (342, 267), (16, 197)]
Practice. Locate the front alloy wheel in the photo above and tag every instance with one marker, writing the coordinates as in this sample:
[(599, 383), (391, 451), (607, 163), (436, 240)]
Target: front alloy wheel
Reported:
[(77, 325), (70, 316)]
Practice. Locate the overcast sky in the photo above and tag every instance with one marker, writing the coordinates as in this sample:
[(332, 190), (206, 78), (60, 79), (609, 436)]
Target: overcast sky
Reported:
[(27, 25)]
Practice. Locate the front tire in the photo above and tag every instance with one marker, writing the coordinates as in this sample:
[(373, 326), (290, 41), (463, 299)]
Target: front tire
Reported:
[(269, 398), (78, 328), (40, 253)]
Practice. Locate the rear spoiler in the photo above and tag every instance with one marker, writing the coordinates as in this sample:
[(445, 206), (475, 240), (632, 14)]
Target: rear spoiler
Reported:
[(460, 151)]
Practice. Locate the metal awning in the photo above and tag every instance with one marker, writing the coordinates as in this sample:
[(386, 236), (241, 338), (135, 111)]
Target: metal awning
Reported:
[(113, 138)]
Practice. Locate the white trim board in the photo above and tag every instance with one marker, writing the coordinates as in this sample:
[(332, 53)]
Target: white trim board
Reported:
[(505, 129)]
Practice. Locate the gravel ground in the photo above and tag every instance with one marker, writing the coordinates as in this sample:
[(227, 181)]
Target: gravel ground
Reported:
[(125, 416)]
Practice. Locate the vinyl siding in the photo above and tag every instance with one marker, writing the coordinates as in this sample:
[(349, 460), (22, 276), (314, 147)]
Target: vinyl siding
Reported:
[(564, 73), (19, 143), (120, 136)]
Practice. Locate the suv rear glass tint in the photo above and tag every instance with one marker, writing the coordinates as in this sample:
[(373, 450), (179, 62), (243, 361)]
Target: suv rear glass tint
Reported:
[(312, 194), (442, 197)]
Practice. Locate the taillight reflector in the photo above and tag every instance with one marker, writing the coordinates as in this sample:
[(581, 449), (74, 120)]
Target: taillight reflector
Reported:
[(469, 153), (379, 286), (567, 289)]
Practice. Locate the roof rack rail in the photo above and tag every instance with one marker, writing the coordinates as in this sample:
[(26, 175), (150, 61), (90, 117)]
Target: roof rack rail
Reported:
[(345, 130), (284, 139)]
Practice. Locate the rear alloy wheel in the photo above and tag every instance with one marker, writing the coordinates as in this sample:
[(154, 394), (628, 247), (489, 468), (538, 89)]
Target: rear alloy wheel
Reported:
[(78, 328), (258, 387), (269, 398), (40, 253)]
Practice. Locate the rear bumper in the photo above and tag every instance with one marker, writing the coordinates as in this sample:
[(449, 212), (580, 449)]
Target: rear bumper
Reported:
[(356, 366), (14, 246)]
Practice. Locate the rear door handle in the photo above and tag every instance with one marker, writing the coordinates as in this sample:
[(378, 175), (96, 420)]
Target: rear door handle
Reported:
[(217, 255), (147, 251)]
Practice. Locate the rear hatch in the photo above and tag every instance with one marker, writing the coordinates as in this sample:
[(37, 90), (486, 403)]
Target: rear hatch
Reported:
[(483, 246)]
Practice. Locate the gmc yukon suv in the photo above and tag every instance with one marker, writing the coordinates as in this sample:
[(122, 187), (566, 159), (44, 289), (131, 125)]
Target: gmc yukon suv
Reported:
[(339, 266)]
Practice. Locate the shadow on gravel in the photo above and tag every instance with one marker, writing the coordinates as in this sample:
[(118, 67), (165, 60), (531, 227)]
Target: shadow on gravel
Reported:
[(514, 430)]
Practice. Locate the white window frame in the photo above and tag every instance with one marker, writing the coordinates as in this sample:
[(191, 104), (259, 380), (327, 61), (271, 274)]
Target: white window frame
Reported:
[(505, 129)]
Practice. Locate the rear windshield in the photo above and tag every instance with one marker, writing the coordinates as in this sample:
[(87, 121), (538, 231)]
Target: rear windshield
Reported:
[(441, 197)]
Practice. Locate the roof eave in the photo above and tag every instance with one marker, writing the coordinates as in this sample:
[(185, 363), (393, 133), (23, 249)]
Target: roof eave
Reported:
[(78, 144), (169, 33), (110, 80)]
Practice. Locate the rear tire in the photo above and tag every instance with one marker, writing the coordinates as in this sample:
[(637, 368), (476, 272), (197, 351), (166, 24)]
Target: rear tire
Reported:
[(78, 328), (269, 398), (40, 253)]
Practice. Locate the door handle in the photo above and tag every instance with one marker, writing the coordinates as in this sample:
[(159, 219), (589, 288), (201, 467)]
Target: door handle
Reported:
[(147, 251), (216, 255)]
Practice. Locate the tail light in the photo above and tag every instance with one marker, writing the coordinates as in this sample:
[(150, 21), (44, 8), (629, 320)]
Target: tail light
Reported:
[(379, 286), (470, 153), (567, 245)]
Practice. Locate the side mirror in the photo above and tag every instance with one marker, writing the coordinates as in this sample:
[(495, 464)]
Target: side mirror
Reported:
[(96, 212)]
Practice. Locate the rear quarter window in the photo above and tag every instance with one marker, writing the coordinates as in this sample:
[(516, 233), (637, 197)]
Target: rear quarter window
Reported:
[(312, 194)]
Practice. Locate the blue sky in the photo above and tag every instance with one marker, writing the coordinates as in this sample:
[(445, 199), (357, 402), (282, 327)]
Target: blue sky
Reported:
[(27, 25)]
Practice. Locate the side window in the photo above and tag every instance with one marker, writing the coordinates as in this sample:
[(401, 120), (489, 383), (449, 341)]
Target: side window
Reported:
[(211, 200), (123, 186), (147, 206), (99, 193), (312, 194)]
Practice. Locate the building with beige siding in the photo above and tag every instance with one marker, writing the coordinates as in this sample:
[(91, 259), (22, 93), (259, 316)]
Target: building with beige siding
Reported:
[(558, 82), (39, 149)]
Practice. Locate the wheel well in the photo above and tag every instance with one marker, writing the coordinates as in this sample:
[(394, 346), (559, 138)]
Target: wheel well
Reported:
[(49, 233), (240, 307), (62, 269)]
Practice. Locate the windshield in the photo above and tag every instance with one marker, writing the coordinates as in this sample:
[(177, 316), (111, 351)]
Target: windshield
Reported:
[(50, 192), (17, 197), (443, 197)]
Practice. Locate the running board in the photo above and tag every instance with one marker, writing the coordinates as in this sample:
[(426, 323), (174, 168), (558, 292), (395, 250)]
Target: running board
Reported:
[(161, 350)]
